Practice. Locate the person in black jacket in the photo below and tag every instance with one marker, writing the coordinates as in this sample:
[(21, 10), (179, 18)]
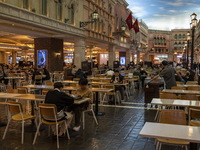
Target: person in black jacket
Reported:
[(46, 73), (61, 100), (80, 74)]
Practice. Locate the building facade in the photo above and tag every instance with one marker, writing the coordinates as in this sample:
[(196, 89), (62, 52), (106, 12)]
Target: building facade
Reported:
[(159, 46)]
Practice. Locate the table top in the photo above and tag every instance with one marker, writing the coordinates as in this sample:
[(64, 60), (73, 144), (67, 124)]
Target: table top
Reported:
[(171, 132), (108, 83), (39, 86), (14, 77), (101, 90), (175, 102), (181, 91), (33, 97), (188, 85)]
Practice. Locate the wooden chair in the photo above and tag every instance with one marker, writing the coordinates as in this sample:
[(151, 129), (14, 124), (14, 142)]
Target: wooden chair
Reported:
[(191, 83), (190, 97), (172, 117), (49, 83), (15, 113), (12, 91), (22, 90), (168, 95), (179, 82), (76, 79), (115, 94), (44, 92), (49, 110), (194, 116), (38, 79), (194, 88), (178, 88)]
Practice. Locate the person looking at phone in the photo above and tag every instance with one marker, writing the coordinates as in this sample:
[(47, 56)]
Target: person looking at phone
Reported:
[(84, 92)]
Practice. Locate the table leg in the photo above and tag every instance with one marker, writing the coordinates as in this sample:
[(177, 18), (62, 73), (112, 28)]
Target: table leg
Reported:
[(97, 113)]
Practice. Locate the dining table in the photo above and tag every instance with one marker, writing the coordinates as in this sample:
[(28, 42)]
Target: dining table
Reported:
[(14, 79), (175, 102), (172, 132), (180, 91)]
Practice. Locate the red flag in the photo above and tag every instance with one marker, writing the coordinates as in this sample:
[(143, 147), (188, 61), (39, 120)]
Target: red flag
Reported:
[(136, 26), (129, 21)]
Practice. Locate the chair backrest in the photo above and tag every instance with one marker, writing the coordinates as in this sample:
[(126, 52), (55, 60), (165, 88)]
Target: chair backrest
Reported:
[(12, 91), (44, 92), (173, 117), (168, 96), (15, 107), (76, 79), (178, 88), (47, 109), (49, 83), (22, 90), (38, 77), (191, 83), (179, 82), (190, 97), (109, 86), (194, 88), (194, 113)]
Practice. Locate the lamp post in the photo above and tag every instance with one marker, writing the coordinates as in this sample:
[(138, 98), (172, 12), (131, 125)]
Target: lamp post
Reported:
[(123, 29), (193, 25), (94, 18), (188, 43)]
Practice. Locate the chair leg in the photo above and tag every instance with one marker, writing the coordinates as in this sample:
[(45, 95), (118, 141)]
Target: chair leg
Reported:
[(4, 135), (57, 135), (160, 146), (186, 147), (38, 127), (94, 116), (67, 130), (104, 97), (22, 131), (83, 120)]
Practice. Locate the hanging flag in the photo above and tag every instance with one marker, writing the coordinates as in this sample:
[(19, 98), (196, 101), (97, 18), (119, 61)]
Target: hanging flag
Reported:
[(136, 26), (129, 21)]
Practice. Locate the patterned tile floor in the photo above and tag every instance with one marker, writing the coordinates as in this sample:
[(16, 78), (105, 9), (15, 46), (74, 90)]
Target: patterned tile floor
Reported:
[(118, 129)]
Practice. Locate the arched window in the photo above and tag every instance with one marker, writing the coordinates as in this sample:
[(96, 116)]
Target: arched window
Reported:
[(175, 36), (110, 8)]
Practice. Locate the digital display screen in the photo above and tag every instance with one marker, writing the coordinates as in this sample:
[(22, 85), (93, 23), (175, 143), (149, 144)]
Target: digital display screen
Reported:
[(42, 58), (122, 61)]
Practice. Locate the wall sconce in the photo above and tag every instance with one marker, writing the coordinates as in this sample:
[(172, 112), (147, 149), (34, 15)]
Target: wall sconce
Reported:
[(94, 18), (58, 54), (123, 29)]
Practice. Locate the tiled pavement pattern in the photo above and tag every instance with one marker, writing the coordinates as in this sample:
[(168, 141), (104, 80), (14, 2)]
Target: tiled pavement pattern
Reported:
[(117, 130)]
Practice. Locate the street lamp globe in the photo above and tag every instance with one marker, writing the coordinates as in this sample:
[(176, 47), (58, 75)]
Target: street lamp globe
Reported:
[(194, 22), (193, 16), (123, 27), (95, 15)]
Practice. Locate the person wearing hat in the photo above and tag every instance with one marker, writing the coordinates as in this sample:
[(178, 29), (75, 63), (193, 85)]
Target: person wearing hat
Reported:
[(168, 73)]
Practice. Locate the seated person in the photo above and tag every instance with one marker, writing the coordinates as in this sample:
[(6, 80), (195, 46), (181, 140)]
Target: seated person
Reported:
[(85, 92), (61, 100), (118, 78)]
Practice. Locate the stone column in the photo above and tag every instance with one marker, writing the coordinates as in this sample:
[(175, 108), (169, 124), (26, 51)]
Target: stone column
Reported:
[(128, 55), (138, 56), (111, 55), (54, 48), (14, 57), (79, 52)]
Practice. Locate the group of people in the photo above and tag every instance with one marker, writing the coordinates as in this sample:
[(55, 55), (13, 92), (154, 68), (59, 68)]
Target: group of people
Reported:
[(65, 104)]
